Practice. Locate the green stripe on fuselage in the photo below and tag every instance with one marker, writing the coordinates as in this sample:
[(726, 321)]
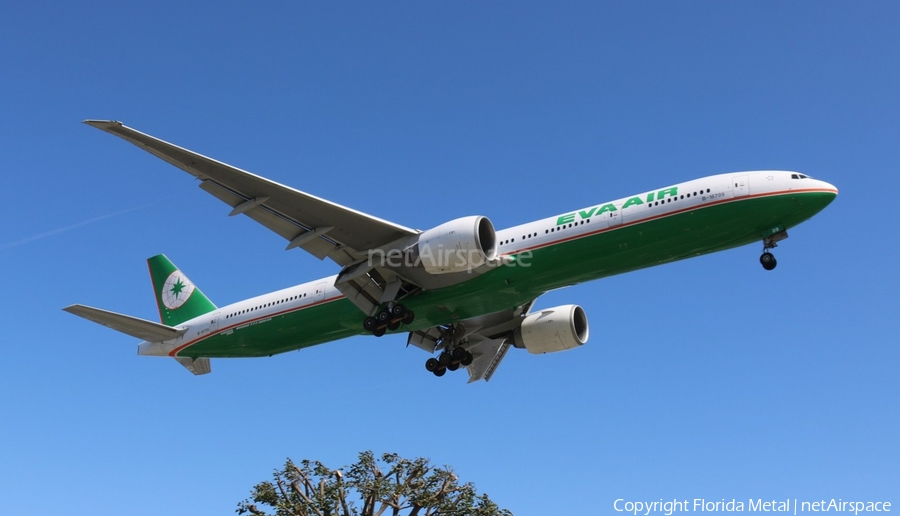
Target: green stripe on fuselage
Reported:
[(622, 249)]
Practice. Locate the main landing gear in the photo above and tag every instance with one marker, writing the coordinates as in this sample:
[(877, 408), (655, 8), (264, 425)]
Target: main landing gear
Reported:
[(449, 360), (389, 318), (767, 259)]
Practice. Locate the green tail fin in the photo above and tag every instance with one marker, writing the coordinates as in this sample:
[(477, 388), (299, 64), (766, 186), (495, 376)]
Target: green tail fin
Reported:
[(177, 298)]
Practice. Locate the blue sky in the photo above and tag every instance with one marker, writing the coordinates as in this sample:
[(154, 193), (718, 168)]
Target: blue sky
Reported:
[(707, 378)]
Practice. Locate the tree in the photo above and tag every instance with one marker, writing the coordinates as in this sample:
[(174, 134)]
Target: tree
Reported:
[(408, 488)]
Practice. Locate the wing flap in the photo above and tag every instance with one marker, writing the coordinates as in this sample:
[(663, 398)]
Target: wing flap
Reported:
[(488, 354), (134, 326)]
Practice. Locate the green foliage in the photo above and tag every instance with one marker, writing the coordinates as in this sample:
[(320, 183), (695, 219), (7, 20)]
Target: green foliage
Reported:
[(407, 488)]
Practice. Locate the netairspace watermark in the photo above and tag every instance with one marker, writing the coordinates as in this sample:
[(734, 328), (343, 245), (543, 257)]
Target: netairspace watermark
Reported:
[(441, 257), (786, 506)]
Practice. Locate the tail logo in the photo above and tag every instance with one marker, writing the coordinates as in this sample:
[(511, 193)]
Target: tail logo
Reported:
[(176, 290)]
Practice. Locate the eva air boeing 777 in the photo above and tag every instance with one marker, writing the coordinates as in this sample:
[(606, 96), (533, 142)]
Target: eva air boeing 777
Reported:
[(463, 291)]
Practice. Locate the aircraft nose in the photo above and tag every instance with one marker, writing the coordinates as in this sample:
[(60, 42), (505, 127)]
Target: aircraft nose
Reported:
[(827, 186)]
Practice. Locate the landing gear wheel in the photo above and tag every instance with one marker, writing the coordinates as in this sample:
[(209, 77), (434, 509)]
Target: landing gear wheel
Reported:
[(378, 332), (383, 316), (398, 310), (432, 365), (440, 372), (393, 326), (453, 366), (370, 323), (458, 354), (468, 360), (408, 317), (445, 358), (768, 261)]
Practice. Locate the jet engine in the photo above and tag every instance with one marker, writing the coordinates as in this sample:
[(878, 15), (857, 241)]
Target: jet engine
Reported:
[(554, 329), (457, 246)]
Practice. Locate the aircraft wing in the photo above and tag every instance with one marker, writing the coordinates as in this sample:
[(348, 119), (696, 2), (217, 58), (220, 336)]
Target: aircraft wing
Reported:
[(321, 227), (487, 337)]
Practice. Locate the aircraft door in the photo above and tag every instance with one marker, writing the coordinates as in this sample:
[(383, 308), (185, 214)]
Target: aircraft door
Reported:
[(320, 292), (741, 185), (214, 323), (613, 218)]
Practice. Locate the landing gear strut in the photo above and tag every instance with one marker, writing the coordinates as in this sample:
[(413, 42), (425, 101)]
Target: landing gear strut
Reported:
[(390, 318), (767, 259)]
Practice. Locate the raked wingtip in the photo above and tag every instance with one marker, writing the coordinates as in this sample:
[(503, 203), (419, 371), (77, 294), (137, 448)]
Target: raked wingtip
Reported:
[(101, 124)]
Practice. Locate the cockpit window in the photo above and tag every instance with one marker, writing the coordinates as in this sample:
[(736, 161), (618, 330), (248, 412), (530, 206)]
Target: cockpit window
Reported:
[(795, 176)]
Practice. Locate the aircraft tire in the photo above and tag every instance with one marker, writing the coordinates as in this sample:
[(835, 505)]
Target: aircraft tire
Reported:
[(432, 365), (394, 325), (409, 317), (440, 371), (378, 332), (398, 310), (768, 261), (445, 358), (383, 316), (370, 323), (468, 360), (453, 366)]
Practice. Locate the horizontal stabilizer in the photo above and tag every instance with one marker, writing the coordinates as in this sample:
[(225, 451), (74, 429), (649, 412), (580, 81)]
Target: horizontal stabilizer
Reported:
[(140, 328), (195, 365)]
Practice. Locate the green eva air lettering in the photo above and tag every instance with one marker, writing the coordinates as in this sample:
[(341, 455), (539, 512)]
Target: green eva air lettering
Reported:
[(673, 192), (565, 219), (633, 200), (606, 207)]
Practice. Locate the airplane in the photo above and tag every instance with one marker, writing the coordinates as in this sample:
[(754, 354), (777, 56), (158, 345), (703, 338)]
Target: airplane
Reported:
[(463, 291)]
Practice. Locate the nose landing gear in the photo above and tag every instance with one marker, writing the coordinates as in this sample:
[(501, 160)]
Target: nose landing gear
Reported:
[(767, 259)]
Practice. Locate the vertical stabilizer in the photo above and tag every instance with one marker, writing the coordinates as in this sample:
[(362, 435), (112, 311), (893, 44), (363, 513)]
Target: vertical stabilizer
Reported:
[(177, 298)]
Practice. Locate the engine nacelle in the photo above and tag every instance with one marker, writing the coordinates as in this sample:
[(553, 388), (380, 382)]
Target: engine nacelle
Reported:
[(554, 329), (457, 246)]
